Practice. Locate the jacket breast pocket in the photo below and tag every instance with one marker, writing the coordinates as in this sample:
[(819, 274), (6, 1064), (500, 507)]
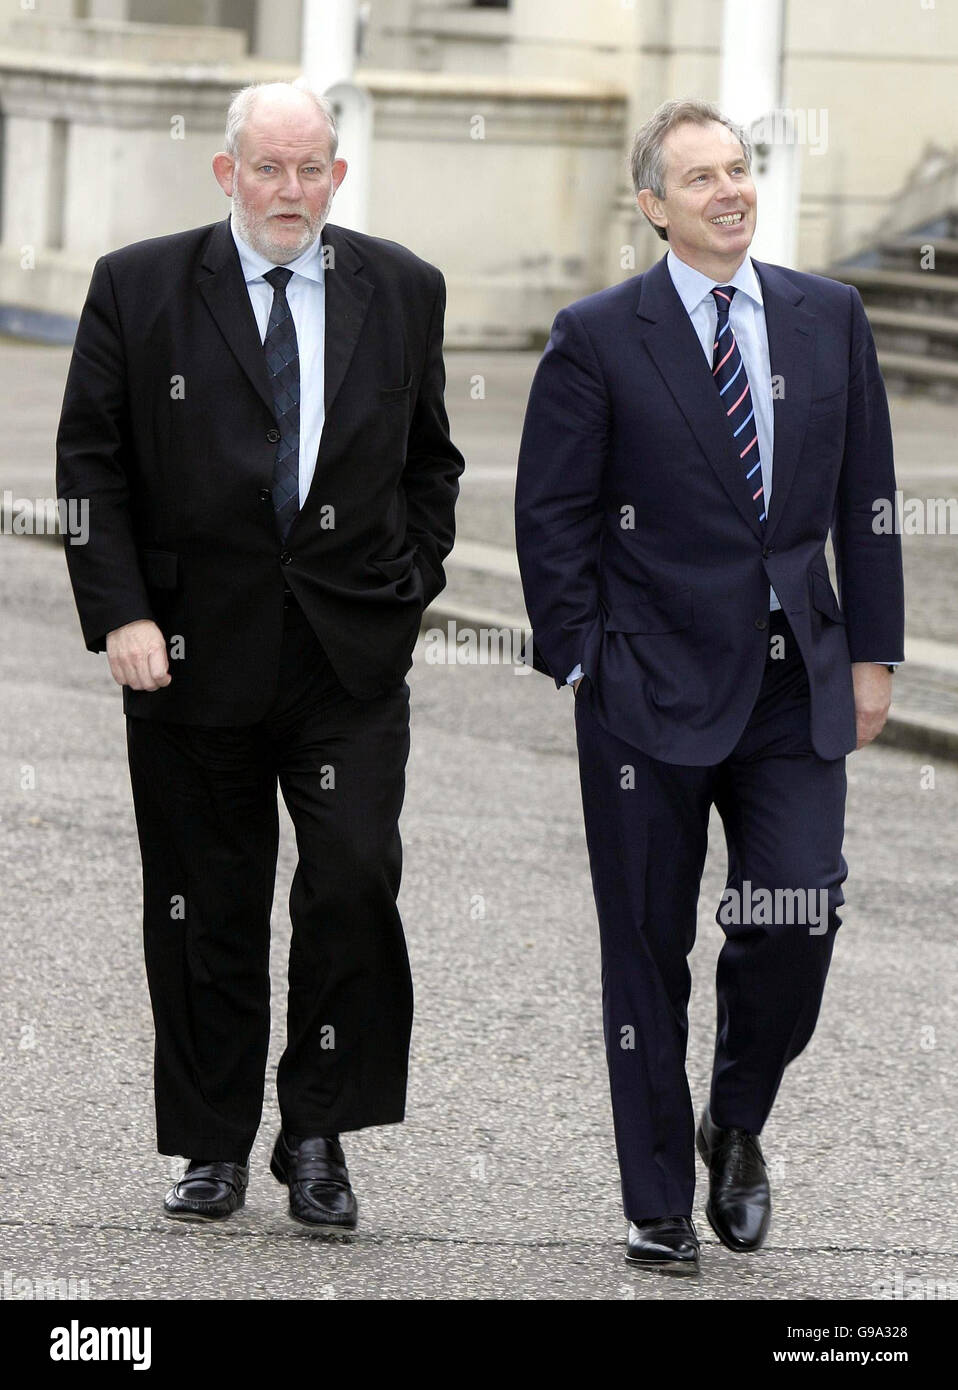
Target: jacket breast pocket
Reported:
[(823, 597), (160, 568), (659, 612)]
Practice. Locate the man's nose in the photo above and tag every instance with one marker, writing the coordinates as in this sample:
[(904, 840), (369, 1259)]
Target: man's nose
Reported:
[(727, 187)]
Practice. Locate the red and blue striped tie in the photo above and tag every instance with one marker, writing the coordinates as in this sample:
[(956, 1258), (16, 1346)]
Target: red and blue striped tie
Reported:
[(730, 376)]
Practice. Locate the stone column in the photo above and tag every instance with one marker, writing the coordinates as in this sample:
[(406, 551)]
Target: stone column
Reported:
[(632, 244), (29, 169)]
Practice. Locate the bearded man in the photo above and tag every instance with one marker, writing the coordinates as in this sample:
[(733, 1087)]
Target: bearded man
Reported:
[(254, 411)]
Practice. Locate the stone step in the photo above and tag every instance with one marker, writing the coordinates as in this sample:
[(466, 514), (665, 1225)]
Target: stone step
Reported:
[(906, 373), (934, 335), (913, 309), (913, 291), (909, 253)]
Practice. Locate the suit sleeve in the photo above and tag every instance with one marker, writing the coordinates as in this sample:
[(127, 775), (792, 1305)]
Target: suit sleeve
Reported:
[(558, 497), (93, 455), (433, 463), (868, 563)]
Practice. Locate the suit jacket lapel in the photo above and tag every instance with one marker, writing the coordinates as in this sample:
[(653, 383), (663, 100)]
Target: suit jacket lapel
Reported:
[(791, 350), (673, 345), (676, 351), (347, 302), (222, 285)]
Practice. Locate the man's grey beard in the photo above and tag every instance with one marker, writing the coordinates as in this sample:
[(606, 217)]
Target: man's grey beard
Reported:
[(260, 240)]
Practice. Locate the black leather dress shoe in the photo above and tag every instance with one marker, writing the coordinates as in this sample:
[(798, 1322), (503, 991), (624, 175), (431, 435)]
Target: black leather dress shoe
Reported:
[(667, 1244), (209, 1190), (314, 1170), (739, 1207)]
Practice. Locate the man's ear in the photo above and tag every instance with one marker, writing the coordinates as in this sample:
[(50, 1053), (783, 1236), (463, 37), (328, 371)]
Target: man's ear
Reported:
[(652, 207), (224, 168), (339, 172)]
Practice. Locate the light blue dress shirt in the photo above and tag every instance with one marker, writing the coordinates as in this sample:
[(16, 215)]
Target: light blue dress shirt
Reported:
[(747, 317), (306, 296)]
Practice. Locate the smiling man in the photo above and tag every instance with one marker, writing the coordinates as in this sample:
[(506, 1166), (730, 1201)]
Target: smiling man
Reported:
[(254, 410), (692, 436)]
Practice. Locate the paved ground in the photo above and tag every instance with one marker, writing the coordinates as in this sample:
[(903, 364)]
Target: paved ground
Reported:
[(502, 1182)]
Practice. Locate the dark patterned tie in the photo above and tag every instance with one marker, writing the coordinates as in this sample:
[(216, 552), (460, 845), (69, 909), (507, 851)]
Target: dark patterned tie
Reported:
[(728, 369), (282, 361)]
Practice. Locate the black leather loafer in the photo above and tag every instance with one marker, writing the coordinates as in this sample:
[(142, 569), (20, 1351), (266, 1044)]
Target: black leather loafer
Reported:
[(209, 1190), (739, 1206), (315, 1172), (667, 1244)]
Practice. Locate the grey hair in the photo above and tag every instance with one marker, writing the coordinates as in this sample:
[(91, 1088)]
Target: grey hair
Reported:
[(647, 160), (245, 99)]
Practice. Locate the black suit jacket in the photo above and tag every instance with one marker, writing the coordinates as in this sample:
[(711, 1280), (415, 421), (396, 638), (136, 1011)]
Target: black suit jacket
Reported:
[(167, 428)]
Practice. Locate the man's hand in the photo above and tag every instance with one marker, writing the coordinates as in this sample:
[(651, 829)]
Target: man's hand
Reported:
[(872, 684), (137, 654)]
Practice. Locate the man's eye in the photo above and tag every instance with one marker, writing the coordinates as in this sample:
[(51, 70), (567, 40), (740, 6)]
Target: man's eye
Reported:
[(266, 168)]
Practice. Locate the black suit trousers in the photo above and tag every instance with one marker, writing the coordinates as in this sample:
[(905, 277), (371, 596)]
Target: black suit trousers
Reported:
[(646, 821), (207, 819)]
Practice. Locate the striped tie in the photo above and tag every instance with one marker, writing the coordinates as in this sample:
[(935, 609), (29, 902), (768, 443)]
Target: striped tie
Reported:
[(728, 369)]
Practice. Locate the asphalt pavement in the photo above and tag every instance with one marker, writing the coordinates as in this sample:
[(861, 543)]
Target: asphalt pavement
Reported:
[(502, 1182)]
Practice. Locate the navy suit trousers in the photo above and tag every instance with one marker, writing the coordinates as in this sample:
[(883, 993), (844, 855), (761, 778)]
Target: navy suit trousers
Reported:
[(646, 821)]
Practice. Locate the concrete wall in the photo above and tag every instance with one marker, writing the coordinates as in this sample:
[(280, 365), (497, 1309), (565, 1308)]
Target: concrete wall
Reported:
[(505, 185), (531, 214), (884, 71)]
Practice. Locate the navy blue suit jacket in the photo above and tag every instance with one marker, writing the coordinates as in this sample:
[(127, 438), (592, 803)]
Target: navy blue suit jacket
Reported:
[(639, 545)]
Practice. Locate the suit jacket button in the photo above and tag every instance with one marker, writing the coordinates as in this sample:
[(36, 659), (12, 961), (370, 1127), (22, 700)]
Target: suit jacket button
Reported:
[(285, 558), (761, 624), (273, 436), (767, 551), (265, 495)]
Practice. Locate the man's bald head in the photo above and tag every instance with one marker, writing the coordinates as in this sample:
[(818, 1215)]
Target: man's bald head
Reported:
[(279, 167), (278, 104)]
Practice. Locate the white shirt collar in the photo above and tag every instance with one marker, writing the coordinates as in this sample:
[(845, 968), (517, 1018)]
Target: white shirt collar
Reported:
[(693, 286), (309, 264)]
